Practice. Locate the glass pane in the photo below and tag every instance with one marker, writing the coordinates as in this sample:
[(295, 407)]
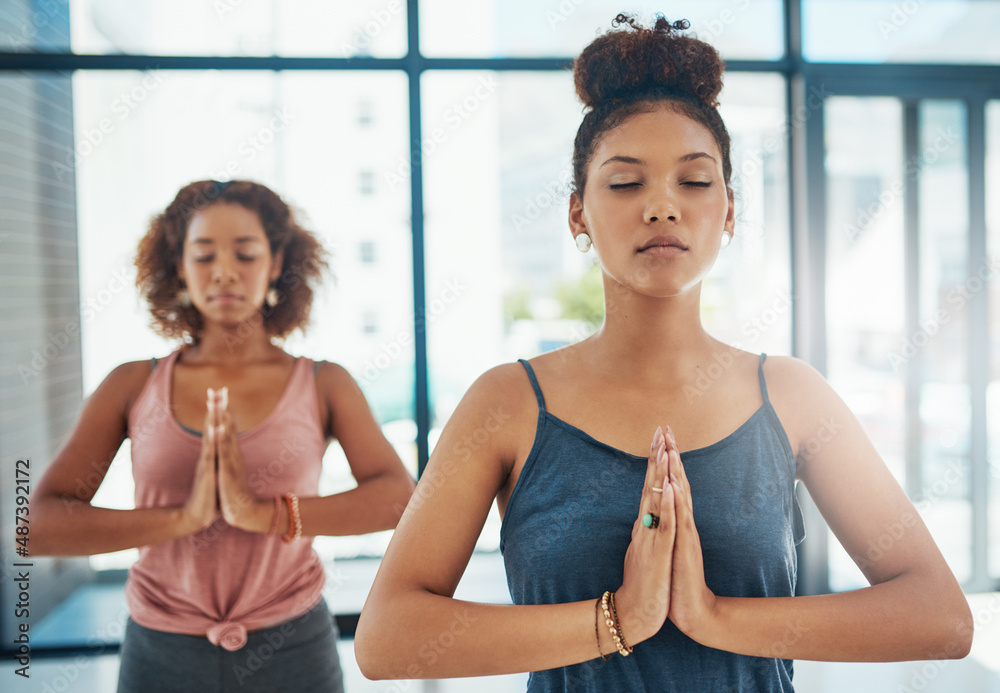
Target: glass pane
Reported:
[(30, 25), (941, 340), (902, 31), (746, 298), (141, 136), (993, 387), (864, 169), (239, 27), (501, 267), (740, 29)]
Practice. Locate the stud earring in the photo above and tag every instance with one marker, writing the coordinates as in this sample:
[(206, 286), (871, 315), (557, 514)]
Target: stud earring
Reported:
[(184, 298), (726, 240), (271, 297), (583, 242)]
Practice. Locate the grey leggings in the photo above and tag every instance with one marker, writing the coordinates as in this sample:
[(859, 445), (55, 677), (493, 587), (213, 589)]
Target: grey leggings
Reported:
[(299, 655)]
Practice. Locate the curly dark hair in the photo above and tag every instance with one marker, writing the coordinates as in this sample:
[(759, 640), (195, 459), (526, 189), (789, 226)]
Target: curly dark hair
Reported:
[(161, 250), (627, 70)]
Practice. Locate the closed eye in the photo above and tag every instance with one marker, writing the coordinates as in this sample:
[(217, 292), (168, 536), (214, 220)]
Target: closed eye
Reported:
[(624, 186), (241, 258), (699, 184)]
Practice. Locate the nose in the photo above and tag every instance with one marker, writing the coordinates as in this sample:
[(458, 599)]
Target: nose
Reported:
[(662, 207), (224, 268)]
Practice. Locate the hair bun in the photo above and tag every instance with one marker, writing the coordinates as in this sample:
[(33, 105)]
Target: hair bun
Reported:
[(625, 63)]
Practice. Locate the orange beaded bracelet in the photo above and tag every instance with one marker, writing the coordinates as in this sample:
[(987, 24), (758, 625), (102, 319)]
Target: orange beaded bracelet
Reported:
[(294, 521)]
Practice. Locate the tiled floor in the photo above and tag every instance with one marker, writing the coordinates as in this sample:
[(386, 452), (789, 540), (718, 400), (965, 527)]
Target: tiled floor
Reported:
[(97, 615)]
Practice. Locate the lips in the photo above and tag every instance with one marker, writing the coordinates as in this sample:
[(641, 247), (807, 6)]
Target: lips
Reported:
[(225, 298), (662, 242)]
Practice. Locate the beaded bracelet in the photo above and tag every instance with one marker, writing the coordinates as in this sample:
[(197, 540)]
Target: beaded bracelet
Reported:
[(597, 611), (613, 626), (294, 521), (274, 520), (614, 612)]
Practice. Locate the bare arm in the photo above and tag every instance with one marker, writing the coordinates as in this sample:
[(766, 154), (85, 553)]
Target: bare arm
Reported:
[(384, 486), (63, 521), (412, 627), (914, 608)]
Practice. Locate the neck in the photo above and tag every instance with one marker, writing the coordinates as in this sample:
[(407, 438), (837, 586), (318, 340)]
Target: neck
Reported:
[(654, 340), (222, 344)]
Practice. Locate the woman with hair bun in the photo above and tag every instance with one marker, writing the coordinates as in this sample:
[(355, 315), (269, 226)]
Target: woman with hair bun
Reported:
[(227, 437), (649, 536)]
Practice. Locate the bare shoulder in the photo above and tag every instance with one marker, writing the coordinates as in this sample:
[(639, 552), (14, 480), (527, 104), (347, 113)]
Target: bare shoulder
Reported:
[(132, 371), (332, 377), (496, 417), (508, 382), (801, 397), (123, 385), (565, 362), (788, 375), (499, 396)]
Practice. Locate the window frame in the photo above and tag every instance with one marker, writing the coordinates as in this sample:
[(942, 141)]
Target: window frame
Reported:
[(806, 85)]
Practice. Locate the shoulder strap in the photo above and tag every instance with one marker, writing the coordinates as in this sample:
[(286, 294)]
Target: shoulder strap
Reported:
[(534, 384), (760, 377)]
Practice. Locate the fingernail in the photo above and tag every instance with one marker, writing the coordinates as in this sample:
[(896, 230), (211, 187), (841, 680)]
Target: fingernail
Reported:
[(225, 397), (222, 429)]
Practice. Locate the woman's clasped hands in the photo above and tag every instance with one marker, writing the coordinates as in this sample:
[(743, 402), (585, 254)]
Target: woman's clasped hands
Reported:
[(664, 575), (220, 484)]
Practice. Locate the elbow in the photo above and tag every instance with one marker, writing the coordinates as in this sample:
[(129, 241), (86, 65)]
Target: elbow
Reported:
[(42, 532), (965, 626), (368, 648), (957, 626), (368, 661), (385, 641)]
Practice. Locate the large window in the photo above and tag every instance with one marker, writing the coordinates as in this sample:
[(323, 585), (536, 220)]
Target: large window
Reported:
[(428, 144)]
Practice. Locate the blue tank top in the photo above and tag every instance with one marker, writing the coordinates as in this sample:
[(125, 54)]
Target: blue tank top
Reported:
[(569, 521)]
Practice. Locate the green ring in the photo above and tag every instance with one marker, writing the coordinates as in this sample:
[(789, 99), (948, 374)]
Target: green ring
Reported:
[(647, 520)]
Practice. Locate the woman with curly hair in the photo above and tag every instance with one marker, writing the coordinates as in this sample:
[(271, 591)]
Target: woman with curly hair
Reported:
[(642, 556), (227, 438)]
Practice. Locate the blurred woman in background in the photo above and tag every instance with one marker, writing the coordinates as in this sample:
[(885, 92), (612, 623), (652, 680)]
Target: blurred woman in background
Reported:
[(227, 435)]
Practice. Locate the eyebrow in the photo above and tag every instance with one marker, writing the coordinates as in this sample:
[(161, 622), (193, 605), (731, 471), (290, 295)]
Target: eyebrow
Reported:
[(623, 159), (634, 160), (696, 155)]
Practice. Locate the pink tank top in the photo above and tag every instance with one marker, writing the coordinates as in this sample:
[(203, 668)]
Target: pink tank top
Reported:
[(223, 581)]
